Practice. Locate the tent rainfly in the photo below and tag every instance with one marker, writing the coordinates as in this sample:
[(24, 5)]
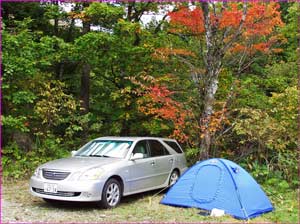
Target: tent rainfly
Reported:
[(220, 184)]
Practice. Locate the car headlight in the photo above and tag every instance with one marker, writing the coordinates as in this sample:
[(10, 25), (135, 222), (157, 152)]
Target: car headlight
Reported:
[(38, 172), (92, 174)]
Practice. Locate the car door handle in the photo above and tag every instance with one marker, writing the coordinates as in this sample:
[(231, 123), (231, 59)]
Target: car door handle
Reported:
[(152, 163), (171, 160)]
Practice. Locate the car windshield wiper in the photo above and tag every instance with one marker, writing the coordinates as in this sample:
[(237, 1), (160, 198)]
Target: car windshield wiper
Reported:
[(99, 156)]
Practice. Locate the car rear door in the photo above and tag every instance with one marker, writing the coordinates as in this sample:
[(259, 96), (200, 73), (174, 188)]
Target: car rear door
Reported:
[(163, 161), (180, 161), (142, 171)]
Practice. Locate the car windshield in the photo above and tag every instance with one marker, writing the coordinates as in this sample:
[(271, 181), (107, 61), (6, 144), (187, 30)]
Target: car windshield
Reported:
[(105, 148)]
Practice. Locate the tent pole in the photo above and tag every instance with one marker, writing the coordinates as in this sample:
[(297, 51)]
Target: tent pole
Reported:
[(237, 191)]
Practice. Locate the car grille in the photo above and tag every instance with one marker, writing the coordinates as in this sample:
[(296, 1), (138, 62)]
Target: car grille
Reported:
[(59, 193), (55, 175)]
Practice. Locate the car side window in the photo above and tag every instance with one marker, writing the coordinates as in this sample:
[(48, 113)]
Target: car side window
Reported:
[(157, 149), (174, 146), (141, 147)]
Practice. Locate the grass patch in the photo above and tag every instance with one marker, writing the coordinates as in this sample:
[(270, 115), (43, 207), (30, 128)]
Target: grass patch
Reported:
[(19, 206)]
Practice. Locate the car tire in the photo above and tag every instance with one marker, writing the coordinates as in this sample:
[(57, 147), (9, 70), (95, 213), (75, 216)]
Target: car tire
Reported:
[(111, 194), (173, 177)]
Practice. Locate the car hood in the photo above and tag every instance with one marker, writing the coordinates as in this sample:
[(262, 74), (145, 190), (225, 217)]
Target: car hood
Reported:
[(78, 163)]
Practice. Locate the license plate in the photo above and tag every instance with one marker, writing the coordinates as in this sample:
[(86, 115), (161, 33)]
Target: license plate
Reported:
[(50, 188)]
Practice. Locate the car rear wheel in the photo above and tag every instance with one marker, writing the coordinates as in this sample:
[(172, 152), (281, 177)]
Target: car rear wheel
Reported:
[(111, 194), (173, 177)]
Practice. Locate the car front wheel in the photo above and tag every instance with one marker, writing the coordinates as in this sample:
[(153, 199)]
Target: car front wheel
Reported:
[(111, 194)]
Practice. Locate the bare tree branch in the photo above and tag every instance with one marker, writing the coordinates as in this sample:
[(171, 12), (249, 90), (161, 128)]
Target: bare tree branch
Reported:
[(157, 28)]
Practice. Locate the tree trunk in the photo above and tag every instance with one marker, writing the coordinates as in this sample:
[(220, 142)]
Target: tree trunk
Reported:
[(213, 57), (125, 130), (56, 21), (298, 88), (85, 75), (70, 31), (213, 63), (60, 70), (206, 117), (85, 88), (85, 78)]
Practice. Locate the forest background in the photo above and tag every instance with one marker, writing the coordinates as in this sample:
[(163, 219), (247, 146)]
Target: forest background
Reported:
[(220, 78)]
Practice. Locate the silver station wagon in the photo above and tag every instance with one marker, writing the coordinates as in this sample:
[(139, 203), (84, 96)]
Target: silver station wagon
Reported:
[(107, 168)]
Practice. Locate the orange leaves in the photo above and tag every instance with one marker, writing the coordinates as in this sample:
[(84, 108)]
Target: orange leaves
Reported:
[(230, 18), (260, 23), (262, 47), (262, 19), (161, 104), (80, 15), (216, 122), (192, 20), (159, 92), (164, 53), (218, 118), (158, 102)]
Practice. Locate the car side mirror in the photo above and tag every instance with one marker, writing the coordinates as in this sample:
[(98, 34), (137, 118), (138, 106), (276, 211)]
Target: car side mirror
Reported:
[(73, 153), (137, 156)]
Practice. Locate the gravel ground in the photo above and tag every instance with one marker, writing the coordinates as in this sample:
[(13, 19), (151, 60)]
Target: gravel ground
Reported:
[(19, 206)]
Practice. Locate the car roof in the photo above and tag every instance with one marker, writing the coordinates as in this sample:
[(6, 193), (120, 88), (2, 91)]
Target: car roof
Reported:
[(133, 138)]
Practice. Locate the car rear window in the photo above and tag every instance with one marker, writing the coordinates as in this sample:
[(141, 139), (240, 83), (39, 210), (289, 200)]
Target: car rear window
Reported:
[(174, 146), (157, 149)]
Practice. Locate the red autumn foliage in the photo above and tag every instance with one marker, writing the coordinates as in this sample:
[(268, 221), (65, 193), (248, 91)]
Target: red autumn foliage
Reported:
[(188, 20), (160, 104), (256, 36), (261, 20), (158, 101)]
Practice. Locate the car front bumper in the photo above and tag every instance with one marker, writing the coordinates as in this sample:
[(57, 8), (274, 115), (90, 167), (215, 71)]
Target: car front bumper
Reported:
[(85, 191)]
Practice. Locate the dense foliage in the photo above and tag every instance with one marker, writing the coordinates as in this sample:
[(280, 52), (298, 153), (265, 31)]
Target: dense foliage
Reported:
[(220, 78)]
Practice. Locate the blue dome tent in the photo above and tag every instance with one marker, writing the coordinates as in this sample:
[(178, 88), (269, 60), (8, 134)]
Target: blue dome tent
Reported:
[(220, 184)]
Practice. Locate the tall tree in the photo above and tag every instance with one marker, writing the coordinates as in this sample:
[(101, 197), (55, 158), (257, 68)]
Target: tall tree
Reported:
[(228, 34)]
